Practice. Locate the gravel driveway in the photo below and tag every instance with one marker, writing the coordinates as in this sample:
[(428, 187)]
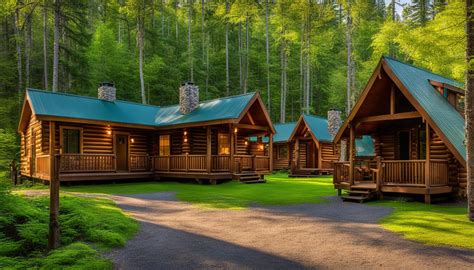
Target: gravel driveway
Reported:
[(178, 235)]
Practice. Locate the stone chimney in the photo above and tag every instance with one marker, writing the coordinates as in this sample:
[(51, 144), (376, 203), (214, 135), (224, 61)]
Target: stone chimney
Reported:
[(188, 97), (334, 121), (107, 91)]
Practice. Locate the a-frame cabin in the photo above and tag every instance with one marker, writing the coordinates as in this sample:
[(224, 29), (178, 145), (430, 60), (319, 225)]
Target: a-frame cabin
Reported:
[(82, 138), (415, 118), (311, 146)]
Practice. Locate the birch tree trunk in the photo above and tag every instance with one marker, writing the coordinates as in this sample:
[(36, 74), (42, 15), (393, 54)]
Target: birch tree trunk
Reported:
[(162, 18), (57, 18), (176, 17), (469, 107), (302, 72), (267, 51), (227, 73), (18, 50), (190, 44), (45, 45)]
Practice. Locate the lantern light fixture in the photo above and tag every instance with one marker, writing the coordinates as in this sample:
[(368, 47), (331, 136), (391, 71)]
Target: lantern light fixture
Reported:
[(132, 140), (109, 132), (235, 130)]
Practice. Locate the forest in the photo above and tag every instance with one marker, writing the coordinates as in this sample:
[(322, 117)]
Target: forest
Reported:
[(303, 56)]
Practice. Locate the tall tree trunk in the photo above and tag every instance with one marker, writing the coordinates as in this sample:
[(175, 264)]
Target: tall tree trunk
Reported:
[(45, 44), (162, 18), (247, 52), (283, 80), (240, 57), (302, 72), (176, 19), (27, 31), (18, 50), (267, 51), (349, 59), (203, 30), (227, 73), (308, 57), (469, 107), (190, 44), (57, 19), (141, 31)]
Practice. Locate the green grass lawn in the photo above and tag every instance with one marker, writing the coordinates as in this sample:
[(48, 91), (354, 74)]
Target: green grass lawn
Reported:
[(430, 224), (279, 190)]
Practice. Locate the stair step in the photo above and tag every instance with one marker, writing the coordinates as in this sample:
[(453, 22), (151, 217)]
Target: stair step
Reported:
[(249, 177), (254, 181), (365, 192), (355, 198)]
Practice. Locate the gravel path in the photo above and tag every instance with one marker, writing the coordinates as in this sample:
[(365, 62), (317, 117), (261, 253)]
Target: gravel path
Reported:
[(178, 235)]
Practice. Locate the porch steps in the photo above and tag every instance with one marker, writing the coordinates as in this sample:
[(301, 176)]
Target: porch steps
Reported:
[(359, 195), (249, 178)]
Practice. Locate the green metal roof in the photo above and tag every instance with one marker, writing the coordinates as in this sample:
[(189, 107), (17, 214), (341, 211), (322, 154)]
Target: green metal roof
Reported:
[(319, 127), (283, 132), (365, 146), (444, 115), (80, 107), (216, 109)]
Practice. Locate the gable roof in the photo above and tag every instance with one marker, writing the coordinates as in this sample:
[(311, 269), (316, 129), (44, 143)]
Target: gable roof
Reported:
[(317, 125), (415, 84), (283, 132), (62, 105), (441, 112)]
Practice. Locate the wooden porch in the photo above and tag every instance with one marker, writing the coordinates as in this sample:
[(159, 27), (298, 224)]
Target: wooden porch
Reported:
[(80, 167), (424, 177)]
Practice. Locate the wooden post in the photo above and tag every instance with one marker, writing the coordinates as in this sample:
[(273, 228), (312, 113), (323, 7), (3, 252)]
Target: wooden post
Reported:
[(270, 151), (427, 164), (392, 99), (378, 178), (297, 154), (351, 153), (208, 151), (53, 240), (320, 155), (231, 135), (187, 161)]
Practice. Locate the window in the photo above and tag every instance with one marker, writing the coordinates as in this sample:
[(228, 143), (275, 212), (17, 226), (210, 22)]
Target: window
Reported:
[(71, 140), (422, 144), (165, 145), (223, 144), (282, 152), (460, 102)]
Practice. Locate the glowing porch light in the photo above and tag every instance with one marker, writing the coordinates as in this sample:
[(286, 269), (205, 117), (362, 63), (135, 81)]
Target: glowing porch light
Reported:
[(132, 140), (235, 130)]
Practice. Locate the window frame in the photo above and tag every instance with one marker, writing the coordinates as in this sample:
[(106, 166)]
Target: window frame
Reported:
[(61, 139), (160, 145), (219, 144), (282, 146)]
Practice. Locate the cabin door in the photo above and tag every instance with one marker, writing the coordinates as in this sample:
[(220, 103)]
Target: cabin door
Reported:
[(310, 153), (404, 145), (121, 152)]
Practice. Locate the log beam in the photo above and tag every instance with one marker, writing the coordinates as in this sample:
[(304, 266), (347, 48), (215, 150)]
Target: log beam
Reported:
[(390, 117)]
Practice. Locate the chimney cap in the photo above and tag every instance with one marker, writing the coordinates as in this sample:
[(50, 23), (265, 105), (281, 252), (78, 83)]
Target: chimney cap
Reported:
[(334, 109), (106, 83), (187, 83)]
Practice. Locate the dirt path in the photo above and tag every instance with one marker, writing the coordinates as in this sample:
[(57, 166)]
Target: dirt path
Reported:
[(177, 235)]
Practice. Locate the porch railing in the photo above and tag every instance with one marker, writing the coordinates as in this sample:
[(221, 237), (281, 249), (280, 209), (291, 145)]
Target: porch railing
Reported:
[(394, 172), (69, 163), (403, 172), (219, 163), (140, 162)]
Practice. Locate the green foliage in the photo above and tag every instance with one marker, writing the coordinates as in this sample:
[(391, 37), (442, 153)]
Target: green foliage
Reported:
[(24, 232), (430, 224)]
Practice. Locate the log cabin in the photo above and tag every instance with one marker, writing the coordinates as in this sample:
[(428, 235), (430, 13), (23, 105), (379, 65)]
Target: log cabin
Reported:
[(311, 147), (281, 146), (83, 138), (416, 120)]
